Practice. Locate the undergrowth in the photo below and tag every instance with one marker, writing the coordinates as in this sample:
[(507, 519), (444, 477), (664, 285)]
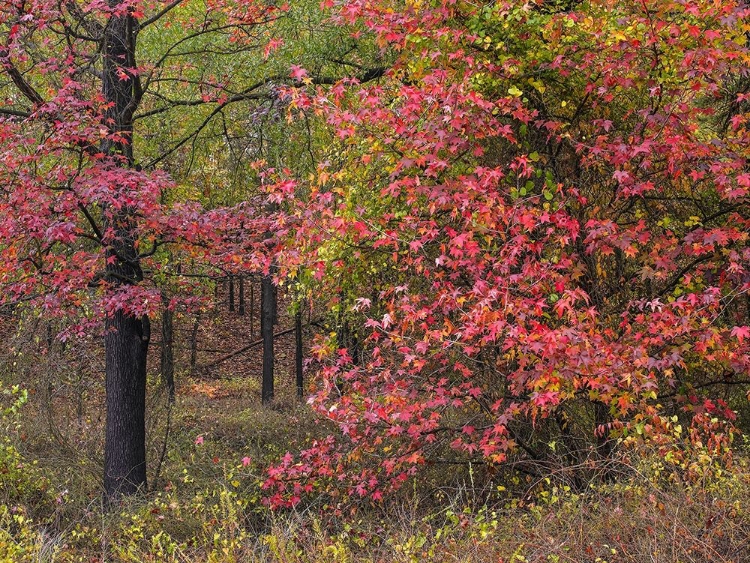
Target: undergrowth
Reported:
[(206, 504)]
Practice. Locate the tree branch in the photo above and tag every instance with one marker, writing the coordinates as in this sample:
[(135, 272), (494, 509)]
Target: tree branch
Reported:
[(21, 83), (244, 349), (14, 112), (92, 27), (708, 384), (160, 14)]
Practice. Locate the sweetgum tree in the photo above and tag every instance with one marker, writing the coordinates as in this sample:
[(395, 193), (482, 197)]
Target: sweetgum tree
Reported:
[(107, 109), (542, 211), (86, 215)]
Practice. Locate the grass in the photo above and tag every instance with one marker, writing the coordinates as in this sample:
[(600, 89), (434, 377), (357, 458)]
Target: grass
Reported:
[(205, 502)]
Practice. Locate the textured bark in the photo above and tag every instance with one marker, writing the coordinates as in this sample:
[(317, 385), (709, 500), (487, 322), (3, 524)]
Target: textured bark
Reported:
[(126, 344), (127, 337), (267, 317)]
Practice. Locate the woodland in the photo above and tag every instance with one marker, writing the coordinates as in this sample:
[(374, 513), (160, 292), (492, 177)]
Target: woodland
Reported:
[(374, 280)]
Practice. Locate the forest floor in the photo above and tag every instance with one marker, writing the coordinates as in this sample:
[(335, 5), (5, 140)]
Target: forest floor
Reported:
[(205, 502)]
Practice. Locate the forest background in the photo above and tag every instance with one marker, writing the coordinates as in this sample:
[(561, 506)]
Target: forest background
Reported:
[(374, 280)]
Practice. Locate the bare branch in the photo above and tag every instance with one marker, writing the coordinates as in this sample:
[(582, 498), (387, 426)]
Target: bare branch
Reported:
[(158, 15)]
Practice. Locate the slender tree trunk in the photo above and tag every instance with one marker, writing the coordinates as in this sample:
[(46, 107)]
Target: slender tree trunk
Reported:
[(571, 449), (354, 348), (241, 295), (252, 307), (298, 352), (126, 337), (604, 444), (194, 342), (230, 280), (342, 338), (267, 317), (167, 346)]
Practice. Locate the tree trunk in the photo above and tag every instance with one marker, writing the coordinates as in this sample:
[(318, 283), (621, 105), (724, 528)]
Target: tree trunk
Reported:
[(601, 421), (126, 344), (167, 346), (252, 307), (354, 348), (267, 317), (342, 337), (298, 352), (126, 337), (241, 295), (194, 342), (230, 280)]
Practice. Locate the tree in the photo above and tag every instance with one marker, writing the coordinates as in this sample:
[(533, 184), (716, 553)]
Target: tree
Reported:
[(555, 228), (267, 322), (127, 335), (84, 222), (99, 101)]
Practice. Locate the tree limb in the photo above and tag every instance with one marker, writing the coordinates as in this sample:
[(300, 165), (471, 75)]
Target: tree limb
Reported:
[(244, 349), (21, 83), (160, 14)]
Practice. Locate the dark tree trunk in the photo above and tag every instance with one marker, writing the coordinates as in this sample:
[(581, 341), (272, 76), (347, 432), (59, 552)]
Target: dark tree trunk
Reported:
[(601, 421), (342, 337), (231, 293), (571, 448), (126, 337), (241, 295), (354, 348), (194, 342), (126, 344), (298, 352), (275, 304), (167, 346), (252, 307), (267, 317)]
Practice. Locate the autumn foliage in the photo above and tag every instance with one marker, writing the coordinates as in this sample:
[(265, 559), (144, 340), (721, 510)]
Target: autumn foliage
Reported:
[(540, 220), (531, 231), (66, 189)]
